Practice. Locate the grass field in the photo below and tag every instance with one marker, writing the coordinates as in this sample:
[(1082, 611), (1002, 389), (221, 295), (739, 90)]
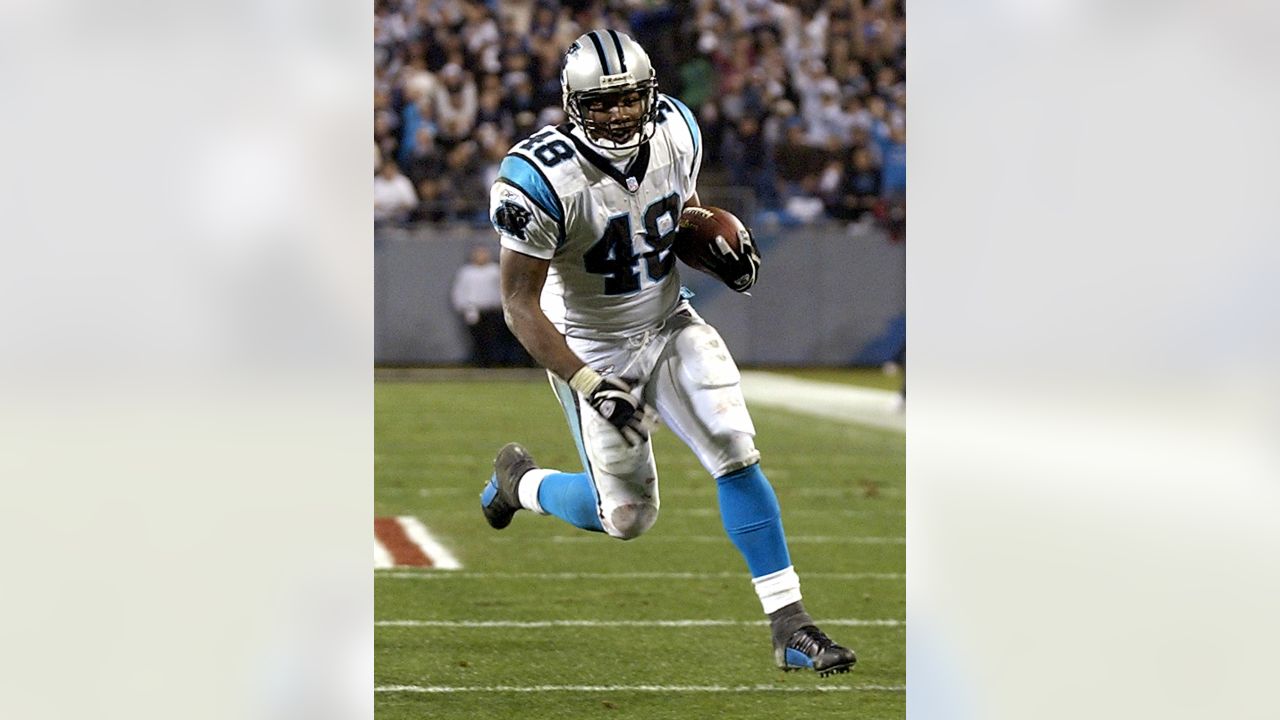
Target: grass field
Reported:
[(490, 640), (862, 377)]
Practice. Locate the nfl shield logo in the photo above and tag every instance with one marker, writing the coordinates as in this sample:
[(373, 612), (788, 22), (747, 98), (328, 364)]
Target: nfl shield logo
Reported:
[(632, 185)]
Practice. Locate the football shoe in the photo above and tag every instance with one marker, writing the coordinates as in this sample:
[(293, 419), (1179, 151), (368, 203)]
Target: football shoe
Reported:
[(798, 644), (501, 499)]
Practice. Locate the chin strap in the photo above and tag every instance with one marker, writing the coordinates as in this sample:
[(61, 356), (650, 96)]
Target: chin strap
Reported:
[(614, 153)]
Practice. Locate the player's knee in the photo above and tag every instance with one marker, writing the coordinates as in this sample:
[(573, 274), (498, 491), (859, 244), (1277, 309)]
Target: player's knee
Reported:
[(631, 520), (737, 450)]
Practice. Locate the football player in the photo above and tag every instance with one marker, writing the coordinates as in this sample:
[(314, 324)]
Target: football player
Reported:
[(587, 212)]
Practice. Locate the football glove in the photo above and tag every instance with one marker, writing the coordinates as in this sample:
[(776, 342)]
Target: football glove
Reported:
[(613, 398), (738, 270)]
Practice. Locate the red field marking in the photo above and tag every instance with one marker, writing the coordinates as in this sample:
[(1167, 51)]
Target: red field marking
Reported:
[(403, 550)]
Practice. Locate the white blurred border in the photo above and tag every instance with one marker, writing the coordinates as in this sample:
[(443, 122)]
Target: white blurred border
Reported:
[(187, 415), (186, 368), (1092, 457)]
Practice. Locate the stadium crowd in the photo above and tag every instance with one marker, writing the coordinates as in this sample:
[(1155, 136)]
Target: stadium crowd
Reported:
[(801, 101)]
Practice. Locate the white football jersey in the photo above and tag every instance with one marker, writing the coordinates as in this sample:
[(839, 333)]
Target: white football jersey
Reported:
[(607, 232)]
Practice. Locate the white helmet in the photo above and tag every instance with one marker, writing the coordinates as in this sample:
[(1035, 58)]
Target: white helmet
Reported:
[(600, 68)]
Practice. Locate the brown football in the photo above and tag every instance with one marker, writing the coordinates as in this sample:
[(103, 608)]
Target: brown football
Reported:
[(701, 230)]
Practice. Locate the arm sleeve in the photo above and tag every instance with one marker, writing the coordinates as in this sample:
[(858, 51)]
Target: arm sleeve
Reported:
[(694, 135), (525, 209)]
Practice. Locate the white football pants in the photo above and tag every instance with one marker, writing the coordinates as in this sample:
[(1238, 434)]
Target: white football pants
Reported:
[(685, 371)]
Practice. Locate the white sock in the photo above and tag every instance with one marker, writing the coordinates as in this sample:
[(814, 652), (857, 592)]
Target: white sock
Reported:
[(528, 489), (777, 589)]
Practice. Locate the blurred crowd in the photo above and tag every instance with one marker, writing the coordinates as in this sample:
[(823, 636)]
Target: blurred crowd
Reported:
[(801, 101)]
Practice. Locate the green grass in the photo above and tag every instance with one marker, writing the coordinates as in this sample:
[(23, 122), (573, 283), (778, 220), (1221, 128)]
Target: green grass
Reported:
[(434, 446)]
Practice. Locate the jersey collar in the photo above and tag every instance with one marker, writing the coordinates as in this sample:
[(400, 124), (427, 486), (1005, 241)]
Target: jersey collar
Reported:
[(630, 179)]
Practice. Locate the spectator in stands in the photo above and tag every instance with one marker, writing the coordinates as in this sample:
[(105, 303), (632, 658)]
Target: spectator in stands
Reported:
[(389, 26), (878, 124), (772, 66), (811, 85), (800, 166), (386, 120), (425, 159), (493, 148), (750, 161), (526, 123), (415, 80), (514, 17), (393, 196), (546, 81), (829, 125), (894, 183), (859, 190), (542, 28), (455, 105), (781, 116), (385, 124), (893, 153), (481, 33), (735, 61), (418, 112), (463, 167), (808, 41), (840, 59), (520, 95), (471, 69), (432, 203), (490, 111)]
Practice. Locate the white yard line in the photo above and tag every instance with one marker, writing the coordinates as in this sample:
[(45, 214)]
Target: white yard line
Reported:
[(381, 558), (792, 539), (709, 491), (820, 512), (417, 532), (432, 575), (833, 401), (448, 689), (850, 622)]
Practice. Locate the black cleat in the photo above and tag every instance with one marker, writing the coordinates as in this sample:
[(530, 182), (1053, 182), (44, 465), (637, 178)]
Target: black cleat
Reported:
[(799, 644), (809, 647), (500, 499)]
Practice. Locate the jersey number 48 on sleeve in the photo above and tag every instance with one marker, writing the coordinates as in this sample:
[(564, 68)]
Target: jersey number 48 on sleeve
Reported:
[(548, 153)]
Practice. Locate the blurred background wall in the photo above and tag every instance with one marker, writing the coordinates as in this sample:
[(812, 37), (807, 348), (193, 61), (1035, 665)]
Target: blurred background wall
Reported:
[(828, 295)]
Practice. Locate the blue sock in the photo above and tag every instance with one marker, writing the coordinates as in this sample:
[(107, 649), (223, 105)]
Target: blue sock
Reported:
[(750, 513), (572, 498)]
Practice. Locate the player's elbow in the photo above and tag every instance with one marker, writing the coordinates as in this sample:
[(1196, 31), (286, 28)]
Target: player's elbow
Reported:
[(517, 312), (509, 318)]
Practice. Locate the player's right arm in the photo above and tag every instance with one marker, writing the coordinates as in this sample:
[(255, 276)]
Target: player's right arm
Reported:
[(530, 217), (522, 279)]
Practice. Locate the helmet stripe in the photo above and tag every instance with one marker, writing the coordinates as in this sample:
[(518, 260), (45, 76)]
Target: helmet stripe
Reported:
[(604, 57), (618, 44)]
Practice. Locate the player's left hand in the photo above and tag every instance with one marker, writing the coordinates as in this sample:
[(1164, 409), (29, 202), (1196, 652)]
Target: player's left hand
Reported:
[(737, 269)]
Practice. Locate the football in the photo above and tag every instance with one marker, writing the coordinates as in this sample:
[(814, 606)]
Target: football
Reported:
[(705, 233)]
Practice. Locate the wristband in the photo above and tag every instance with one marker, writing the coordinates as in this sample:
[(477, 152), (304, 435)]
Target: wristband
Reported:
[(585, 381)]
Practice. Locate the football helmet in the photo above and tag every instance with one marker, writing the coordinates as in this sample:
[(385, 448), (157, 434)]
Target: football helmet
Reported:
[(610, 90)]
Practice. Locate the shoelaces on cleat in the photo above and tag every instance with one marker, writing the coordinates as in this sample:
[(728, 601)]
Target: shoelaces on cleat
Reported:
[(811, 642)]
